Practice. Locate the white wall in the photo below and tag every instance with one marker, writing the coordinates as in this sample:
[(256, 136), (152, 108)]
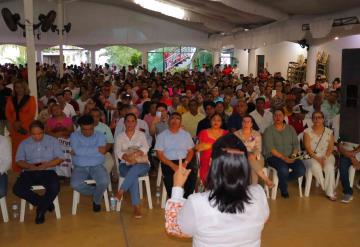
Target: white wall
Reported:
[(277, 57), (242, 57), (334, 49)]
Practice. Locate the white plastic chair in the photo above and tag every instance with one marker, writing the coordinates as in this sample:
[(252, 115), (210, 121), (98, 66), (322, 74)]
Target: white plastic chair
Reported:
[(145, 179), (76, 198), (163, 196), (309, 177), (266, 188), (23, 204), (4, 210), (159, 176), (276, 183), (148, 191), (351, 177)]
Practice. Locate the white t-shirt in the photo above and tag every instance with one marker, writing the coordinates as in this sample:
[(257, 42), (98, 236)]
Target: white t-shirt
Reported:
[(210, 227), (262, 121), (69, 110), (81, 105)]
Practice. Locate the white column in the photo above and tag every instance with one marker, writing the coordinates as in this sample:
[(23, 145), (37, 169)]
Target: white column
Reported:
[(243, 60), (144, 58), (311, 65), (93, 58), (30, 46), (216, 57), (60, 24), (39, 56)]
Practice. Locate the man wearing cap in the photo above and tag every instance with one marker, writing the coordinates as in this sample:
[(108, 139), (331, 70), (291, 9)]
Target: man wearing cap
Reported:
[(296, 119), (317, 87)]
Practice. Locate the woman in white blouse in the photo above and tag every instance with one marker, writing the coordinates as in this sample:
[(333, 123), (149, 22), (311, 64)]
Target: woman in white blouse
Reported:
[(131, 149), (252, 140), (231, 212), (319, 143)]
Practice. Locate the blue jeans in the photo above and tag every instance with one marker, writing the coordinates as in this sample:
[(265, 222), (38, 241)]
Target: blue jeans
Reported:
[(97, 173), (345, 164), (3, 184), (131, 174), (282, 168)]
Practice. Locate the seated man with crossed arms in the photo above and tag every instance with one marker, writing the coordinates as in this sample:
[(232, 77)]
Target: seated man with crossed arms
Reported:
[(37, 156)]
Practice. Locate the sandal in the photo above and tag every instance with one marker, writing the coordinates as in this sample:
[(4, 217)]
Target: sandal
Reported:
[(332, 198)]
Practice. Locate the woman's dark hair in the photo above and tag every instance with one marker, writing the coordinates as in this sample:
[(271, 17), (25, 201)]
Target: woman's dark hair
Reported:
[(318, 112), (280, 109), (229, 176), (85, 120), (218, 115), (130, 115), (36, 124), (248, 116)]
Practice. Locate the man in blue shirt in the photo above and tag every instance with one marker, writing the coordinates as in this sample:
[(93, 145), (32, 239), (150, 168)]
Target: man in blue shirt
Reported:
[(172, 145), (89, 148), (37, 156), (104, 129)]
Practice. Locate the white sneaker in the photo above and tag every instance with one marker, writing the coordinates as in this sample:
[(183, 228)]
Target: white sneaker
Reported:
[(346, 198)]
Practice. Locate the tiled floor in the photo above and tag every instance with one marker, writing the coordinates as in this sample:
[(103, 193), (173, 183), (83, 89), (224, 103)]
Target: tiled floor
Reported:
[(313, 221)]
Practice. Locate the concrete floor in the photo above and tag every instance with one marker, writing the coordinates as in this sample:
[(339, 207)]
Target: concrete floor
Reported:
[(313, 221)]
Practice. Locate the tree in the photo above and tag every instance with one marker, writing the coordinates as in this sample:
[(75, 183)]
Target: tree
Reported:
[(135, 59), (122, 55), (20, 59)]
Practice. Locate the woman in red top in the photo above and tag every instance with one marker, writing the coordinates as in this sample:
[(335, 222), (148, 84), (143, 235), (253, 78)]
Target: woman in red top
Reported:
[(20, 111), (166, 98), (207, 138)]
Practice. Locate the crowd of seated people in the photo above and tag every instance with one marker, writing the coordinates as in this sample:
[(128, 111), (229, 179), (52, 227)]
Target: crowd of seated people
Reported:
[(107, 113)]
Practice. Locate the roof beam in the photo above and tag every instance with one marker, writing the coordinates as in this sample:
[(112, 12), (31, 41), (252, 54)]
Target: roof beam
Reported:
[(254, 8)]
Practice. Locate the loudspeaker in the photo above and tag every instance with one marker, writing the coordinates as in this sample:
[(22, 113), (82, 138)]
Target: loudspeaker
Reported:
[(350, 96)]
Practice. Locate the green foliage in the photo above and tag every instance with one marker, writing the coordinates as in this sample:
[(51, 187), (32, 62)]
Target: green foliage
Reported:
[(21, 59), (135, 59), (178, 69), (122, 55)]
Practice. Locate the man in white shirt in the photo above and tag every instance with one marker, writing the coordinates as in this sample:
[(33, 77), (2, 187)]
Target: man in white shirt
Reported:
[(262, 118), (68, 109), (5, 162)]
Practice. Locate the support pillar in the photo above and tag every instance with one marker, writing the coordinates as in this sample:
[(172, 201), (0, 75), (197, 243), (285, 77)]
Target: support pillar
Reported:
[(30, 46), (60, 24), (93, 58), (216, 57), (144, 58), (39, 57), (311, 65)]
